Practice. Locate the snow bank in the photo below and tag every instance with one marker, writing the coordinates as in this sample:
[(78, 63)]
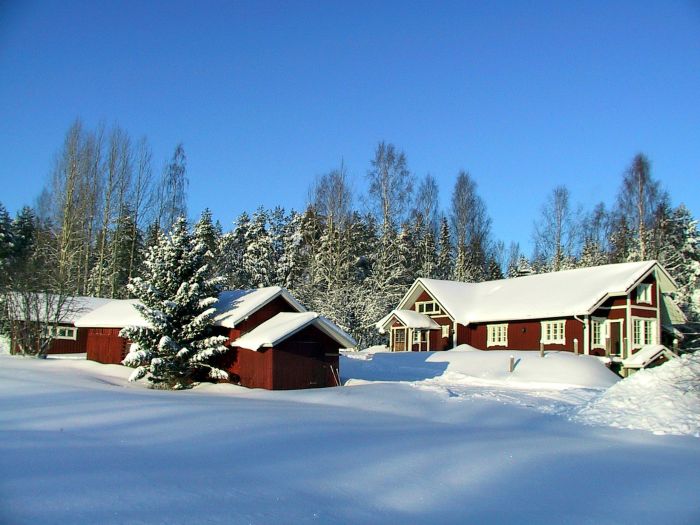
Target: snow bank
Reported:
[(4, 345), (663, 400), (467, 364)]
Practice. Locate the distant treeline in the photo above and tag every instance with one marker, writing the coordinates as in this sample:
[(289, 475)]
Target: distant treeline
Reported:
[(104, 207)]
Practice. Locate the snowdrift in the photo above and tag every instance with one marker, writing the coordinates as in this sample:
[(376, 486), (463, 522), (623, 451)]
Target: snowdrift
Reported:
[(663, 400), (467, 364)]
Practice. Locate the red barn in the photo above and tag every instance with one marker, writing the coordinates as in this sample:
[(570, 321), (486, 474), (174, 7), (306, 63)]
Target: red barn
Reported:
[(275, 343), (612, 310)]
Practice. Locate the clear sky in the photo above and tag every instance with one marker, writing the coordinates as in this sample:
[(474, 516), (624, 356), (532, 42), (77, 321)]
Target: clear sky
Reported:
[(267, 95)]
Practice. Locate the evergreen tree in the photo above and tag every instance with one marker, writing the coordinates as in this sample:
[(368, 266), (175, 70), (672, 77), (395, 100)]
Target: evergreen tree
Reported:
[(445, 258), (177, 294), (290, 267), (495, 271), (524, 267), (210, 234), (258, 258), (591, 254), (6, 242), (681, 257), (233, 248)]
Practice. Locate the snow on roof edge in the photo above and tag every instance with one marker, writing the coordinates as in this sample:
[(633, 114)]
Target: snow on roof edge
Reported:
[(285, 324)]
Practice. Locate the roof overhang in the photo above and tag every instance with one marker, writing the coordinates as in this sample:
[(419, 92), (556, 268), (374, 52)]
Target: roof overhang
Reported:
[(264, 336), (408, 319)]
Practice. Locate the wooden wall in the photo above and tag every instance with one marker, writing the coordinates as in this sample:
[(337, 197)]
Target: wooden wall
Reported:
[(307, 359), (69, 346), (105, 346), (522, 335)]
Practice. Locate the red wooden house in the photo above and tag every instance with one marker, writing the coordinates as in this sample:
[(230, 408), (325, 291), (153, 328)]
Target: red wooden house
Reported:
[(66, 337), (610, 310), (275, 343)]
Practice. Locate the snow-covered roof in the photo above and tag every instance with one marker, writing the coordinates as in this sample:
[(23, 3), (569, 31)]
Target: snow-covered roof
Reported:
[(410, 319), (646, 355), (542, 296), (234, 306), (72, 308), (117, 313), (285, 324)]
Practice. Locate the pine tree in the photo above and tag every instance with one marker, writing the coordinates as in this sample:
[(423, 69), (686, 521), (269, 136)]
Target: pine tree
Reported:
[(524, 268), (211, 235), (445, 258), (177, 294), (6, 241), (681, 257), (258, 258), (495, 271), (233, 248)]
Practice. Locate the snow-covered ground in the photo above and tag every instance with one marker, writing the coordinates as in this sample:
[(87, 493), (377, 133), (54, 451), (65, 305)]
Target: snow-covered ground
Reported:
[(449, 437)]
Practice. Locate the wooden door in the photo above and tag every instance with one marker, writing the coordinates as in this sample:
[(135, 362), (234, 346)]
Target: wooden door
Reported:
[(615, 337), (399, 339)]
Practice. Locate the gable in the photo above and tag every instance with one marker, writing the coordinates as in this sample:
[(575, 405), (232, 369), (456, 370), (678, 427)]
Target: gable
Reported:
[(420, 293)]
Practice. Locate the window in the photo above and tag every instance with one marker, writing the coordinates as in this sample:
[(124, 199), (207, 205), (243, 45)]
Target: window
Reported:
[(428, 307), (643, 332), (598, 329), (417, 336), (445, 330), (400, 336), (497, 335), (61, 332), (644, 293), (554, 332)]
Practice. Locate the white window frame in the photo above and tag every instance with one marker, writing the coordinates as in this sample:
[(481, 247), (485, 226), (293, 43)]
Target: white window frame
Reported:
[(421, 307), (601, 325), (497, 334), (643, 332), (418, 337), (70, 333), (553, 332), (445, 330), (644, 293)]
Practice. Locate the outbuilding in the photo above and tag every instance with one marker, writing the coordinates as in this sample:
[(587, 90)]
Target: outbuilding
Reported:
[(275, 343)]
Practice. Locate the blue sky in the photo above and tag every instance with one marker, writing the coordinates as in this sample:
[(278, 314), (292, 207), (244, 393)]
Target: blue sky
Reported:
[(267, 95)]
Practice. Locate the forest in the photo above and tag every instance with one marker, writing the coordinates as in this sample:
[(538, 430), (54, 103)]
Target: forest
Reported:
[(104, 206)]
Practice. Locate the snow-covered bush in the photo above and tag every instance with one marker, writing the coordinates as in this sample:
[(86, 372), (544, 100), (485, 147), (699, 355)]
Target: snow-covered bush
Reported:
[(177, 294)]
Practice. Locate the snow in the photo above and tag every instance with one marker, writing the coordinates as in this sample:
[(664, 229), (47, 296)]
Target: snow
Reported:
[(73, 307), (284, 324), (117, 313), (547, 295), (466, 364), (79, 444), (646, 355), (410, 319), (234, 306), (663, 400)]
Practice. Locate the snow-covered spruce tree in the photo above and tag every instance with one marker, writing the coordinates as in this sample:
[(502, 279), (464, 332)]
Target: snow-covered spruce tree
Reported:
[(177, 294)]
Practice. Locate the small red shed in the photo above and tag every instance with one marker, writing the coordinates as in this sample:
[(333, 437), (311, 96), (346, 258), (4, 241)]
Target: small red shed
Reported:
[(275, 343)]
